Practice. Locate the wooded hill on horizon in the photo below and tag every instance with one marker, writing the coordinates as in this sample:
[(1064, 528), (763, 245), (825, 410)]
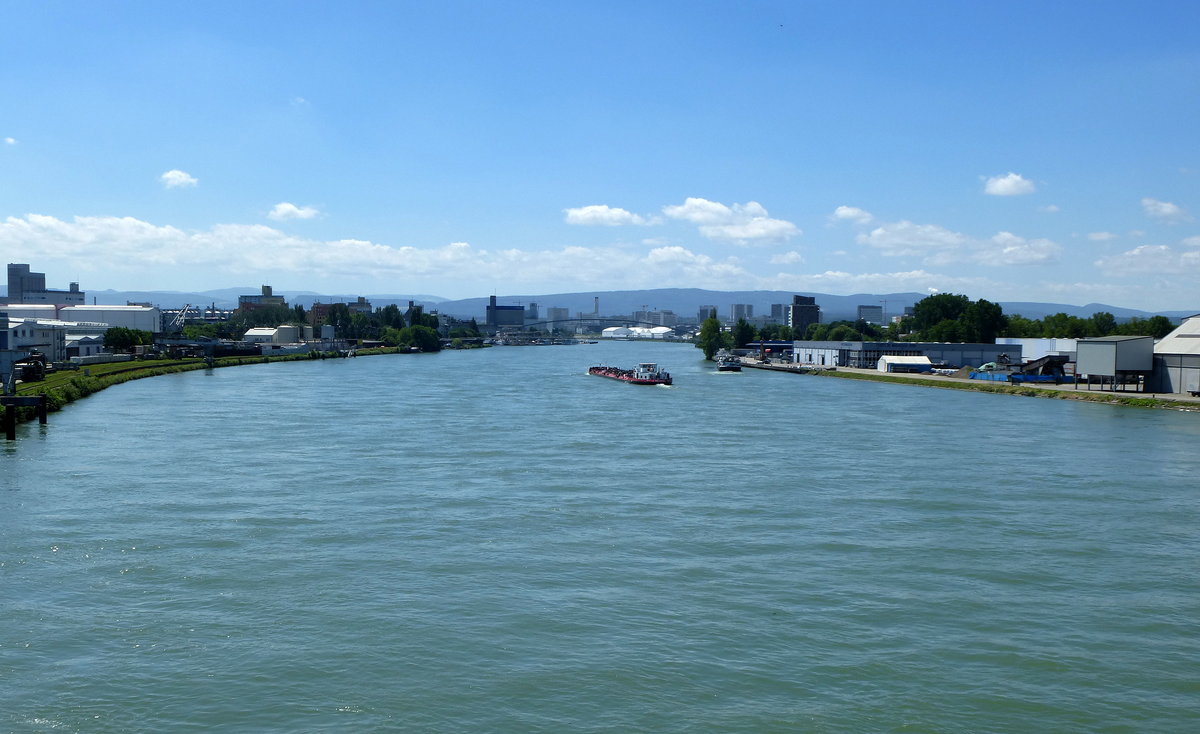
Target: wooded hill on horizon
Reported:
[(685, 302)]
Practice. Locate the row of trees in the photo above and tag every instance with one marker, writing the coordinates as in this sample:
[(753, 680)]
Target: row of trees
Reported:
[(389, 325), (955, 318), (945, 317)]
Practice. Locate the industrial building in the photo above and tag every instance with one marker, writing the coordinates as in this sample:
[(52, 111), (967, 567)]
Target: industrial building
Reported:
[(142, 318), (866, 355), (29, 335), (263, 300), (1177, 359), (1115, 361), (502, 316), (25, 286), (637, 332)]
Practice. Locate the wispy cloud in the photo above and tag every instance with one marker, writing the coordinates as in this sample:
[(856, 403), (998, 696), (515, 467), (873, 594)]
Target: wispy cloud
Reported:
[(905, 238), (1007, 248), (10, 141), (285, 210), (937, 245), (1150, 260), (787, 258), (1010, 184), (1165, 211), (1101, 236), (177, 179), (741, 224)]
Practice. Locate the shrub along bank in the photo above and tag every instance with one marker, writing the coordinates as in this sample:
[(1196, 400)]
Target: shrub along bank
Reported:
[(63, 387)]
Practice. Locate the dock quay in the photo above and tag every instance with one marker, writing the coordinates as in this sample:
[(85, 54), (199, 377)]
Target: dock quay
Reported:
[(1065, 391)]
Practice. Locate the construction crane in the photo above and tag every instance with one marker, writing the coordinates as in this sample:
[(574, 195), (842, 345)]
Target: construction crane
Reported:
[(180, 317)]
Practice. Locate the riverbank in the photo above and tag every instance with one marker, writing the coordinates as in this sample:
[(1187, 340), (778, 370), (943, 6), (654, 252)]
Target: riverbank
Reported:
[(1057, 392), (64, 387)]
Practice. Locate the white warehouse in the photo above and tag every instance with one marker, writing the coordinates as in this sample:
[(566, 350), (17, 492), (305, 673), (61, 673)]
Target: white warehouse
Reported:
[(143, 318)]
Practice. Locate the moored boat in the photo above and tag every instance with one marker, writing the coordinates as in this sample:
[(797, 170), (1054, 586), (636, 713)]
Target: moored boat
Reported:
[(728, 362), (646, 373)]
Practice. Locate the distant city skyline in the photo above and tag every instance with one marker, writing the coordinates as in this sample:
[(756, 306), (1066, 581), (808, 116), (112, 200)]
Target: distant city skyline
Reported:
[(1015, 152)]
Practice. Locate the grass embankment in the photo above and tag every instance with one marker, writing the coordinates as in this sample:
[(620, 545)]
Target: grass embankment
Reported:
[(950, 383), (67, 386)]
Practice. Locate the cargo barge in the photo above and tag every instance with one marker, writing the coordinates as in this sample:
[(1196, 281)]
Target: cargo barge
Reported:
[(646, 373)]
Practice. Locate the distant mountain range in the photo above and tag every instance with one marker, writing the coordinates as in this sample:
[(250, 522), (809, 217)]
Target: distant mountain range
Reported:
[(685, 302)]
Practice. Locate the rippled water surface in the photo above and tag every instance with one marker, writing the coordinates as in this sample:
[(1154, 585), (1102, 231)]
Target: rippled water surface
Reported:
[(494, 541)]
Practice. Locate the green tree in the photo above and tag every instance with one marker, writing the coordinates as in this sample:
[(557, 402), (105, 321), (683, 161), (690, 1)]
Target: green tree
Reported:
[(391, 337), (1019, 326), (1155, 326), (933, 310), (120, 338), (743, 333), (1064, 326), (983, 321), (842, 331), (711, 339), (947, 330), (1103, 323), (200, 331), (421, 337), (390, 316)]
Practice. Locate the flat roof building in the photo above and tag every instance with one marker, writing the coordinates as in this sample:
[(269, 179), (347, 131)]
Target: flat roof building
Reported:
[(1177, 359), (26, 286)]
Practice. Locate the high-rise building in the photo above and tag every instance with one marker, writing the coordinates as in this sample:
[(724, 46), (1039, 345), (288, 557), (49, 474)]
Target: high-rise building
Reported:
[(871, 314), (802, 313), (558, 314), (706, 312), (741, 311)]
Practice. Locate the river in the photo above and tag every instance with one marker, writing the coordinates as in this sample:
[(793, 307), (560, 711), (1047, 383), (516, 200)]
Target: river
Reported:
[(495, 541)]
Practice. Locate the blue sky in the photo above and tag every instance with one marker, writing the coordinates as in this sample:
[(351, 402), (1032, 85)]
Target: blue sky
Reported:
[(1009, 151)]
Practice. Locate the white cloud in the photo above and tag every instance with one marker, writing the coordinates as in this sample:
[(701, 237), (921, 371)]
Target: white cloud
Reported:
[(1049, 209), (1150, 260), (1191, 242), (10, 141), (285, 210), (851, 214), (940, 246), (701, 211), (741, 224), (1165, 211), (601, 215), (1009, 249), (1011, 184), (164, 256), (1101, 236), (906, 238), (787, 258), (175, 179)]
